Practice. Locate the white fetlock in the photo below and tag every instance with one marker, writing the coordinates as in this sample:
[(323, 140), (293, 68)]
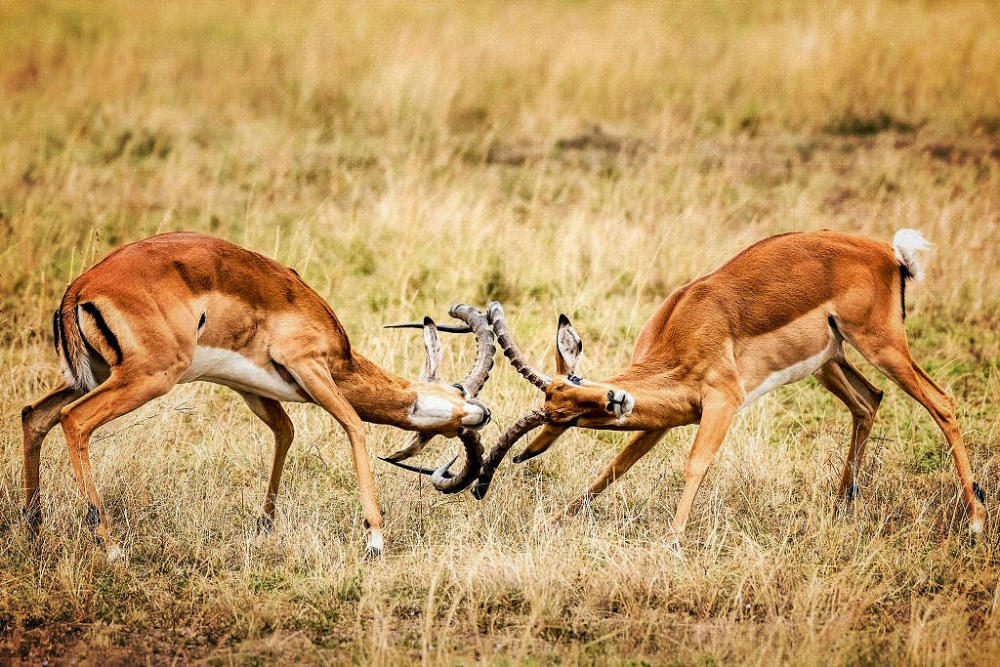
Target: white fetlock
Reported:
[(374, 544)]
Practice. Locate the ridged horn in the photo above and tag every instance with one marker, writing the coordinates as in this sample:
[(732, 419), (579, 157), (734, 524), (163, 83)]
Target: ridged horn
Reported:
[(442, 478), (526, 423), (494, 313), (485, 348)]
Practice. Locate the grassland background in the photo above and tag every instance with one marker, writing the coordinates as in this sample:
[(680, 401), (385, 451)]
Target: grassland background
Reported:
[(565, 157)]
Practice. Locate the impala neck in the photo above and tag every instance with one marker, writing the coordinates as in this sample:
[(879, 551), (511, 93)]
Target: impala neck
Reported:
[(378, 396), (662, 398)]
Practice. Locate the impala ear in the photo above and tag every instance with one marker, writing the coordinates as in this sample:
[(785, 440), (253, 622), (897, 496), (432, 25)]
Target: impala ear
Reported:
[(433, 346), (569, 347)]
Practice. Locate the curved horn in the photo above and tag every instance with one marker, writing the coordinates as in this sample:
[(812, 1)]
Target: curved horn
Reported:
[(416, 445), (444, 482), (526, 423), (443, 479), (485, 348), (494, 313), (447, 328)]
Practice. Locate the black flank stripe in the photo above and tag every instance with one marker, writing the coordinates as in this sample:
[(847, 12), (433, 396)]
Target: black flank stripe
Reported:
[(102, 326), (91, 350)]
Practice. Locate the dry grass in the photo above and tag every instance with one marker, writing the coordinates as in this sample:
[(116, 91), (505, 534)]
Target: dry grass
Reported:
[(403, 157)]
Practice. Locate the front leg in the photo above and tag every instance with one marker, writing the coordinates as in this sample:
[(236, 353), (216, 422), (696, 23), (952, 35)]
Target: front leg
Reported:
[(717, 414), (641, 443), (549, 434), (314, 376)]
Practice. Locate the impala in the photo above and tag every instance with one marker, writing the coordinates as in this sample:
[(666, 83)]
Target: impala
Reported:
[(181, 307), (775, 313)]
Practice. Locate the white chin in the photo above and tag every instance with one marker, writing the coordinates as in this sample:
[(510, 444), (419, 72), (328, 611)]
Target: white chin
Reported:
[(431, 412), (473, 417)]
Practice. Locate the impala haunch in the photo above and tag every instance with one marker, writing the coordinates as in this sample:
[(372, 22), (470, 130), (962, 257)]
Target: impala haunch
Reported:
[(181, 307), (775, 313)]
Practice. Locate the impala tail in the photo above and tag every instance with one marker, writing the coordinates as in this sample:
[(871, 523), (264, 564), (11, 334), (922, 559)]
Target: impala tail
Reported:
[(86, 345), (907, 246)]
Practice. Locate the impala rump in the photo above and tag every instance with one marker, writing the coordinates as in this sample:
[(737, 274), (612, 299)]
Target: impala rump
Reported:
[(87, 346)]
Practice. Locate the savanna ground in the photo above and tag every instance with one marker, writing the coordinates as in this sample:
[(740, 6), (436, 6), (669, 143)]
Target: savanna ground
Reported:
[(585, 158)]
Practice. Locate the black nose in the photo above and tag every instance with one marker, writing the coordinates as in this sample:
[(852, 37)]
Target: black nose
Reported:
[(487, 414)]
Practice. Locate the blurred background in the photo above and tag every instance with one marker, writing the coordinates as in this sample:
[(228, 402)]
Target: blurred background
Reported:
[(578, 157)]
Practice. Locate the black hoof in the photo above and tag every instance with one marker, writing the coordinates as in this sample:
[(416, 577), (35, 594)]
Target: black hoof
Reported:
[(93, 517), (32, 519), (264, 524), (979, 493)]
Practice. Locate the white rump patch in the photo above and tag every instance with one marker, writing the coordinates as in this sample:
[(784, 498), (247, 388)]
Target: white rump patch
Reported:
[(907, 245), (232, 369), (795, 372)]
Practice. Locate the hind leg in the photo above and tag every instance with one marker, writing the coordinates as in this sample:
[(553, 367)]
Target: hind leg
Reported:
[(37, 420), (272, 414), (114, 398), (862, 399), (891, 355)]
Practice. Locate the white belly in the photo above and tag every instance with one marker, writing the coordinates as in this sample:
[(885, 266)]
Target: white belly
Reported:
[(795, 372), (232, 369)]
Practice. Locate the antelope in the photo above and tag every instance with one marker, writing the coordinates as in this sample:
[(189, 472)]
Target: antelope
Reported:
[(775, 313), (181, 307)]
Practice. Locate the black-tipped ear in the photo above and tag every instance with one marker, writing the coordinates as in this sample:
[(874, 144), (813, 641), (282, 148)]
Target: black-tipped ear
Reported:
[(569, 347), (433, 346)]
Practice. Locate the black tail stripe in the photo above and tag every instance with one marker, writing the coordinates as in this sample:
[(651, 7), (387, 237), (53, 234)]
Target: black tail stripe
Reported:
[(55, 330), (62, 330), (102, 326), (904, 273)]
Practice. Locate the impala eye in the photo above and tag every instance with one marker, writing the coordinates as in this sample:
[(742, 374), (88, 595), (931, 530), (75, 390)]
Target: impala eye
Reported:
[(465, 394), (575, 379)]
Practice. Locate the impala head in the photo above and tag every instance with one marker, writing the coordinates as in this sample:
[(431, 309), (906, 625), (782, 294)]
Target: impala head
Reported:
[(447, 409), (441, 408), (570, 400)]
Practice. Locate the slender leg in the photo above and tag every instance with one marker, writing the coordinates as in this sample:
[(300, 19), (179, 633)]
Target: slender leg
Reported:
[(113, 398), (272, 414), (641, 443), (891, 355), (314, 377), (862, 399), (548, 435), (717, 414), (37, 420)]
